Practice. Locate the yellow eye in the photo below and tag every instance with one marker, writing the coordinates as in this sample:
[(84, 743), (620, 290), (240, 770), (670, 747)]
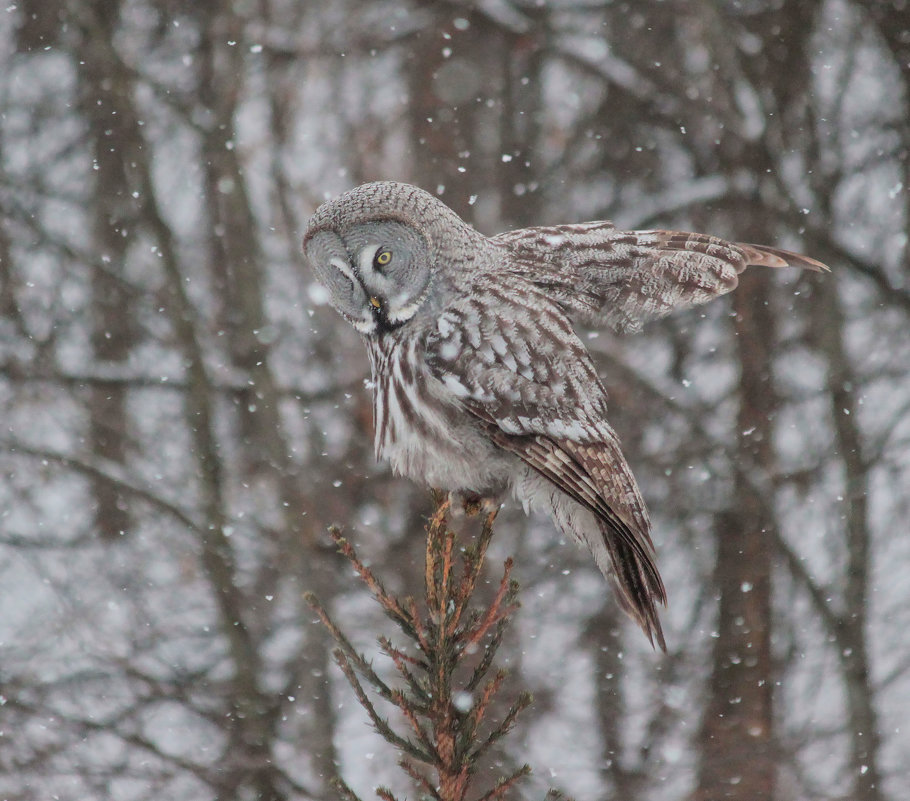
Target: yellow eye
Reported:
[(383, 257)]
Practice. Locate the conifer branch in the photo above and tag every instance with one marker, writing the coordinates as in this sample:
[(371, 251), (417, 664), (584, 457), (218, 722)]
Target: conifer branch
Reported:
[(504, 785), (388, 602), (344, 792), (524, 700), (495, 612), (486, 660), (419, 779), (401, 661), (382, 726), (347, 649), (473, 560), (475, 716), (455, 641), (412, 715)]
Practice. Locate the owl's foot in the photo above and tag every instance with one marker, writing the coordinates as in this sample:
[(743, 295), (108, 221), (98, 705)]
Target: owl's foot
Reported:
[(474, 504)]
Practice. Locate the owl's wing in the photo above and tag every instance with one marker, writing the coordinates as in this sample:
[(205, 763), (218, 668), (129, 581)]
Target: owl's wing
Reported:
[(596, 475), (601, 275), (516, 365)]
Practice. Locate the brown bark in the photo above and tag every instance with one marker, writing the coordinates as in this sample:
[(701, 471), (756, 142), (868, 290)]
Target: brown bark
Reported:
[(892, 19), (103, 101), (475, 102), (736, 744), (446, 81)]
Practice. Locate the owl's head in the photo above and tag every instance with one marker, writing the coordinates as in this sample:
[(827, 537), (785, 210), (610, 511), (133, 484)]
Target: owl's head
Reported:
[(375, 249)]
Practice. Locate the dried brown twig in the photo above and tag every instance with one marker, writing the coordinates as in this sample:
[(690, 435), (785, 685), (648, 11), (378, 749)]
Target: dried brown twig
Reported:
[(448, 725)]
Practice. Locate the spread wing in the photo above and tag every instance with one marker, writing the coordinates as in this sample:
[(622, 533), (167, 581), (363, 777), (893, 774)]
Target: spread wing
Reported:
[(512, 360), (601, 275)]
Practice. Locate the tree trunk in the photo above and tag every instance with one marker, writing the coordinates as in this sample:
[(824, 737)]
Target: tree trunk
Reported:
[(850, 633), (737, 754), (101, 89)]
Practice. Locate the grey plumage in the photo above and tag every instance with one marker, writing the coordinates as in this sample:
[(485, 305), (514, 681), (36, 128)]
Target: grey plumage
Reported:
[(480, 382)]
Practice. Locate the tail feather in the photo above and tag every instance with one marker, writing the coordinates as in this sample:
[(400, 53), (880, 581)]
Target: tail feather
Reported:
[(592, 496), (637, 586)]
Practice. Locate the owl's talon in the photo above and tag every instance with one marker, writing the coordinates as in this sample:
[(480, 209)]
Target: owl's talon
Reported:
[(474, 504)]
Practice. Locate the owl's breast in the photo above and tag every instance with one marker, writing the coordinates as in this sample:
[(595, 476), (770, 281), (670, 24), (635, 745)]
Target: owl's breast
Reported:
[(422, 434)]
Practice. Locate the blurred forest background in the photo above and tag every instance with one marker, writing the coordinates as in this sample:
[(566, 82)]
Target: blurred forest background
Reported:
[(182, 416)]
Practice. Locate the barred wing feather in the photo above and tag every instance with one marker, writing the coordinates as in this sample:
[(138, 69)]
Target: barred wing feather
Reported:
[(550, 413), (601, 275)]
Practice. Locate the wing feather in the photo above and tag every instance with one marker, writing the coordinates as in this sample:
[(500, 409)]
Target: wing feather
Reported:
[(636, 579), (546, 405), (601, 275)]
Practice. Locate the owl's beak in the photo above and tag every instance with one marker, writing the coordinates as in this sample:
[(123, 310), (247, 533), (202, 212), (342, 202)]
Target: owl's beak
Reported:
[(375, 303)]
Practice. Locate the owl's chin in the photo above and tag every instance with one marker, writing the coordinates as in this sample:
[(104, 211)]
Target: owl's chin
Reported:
[(397, 315), (367, 327), (379, 323), (380, 327)]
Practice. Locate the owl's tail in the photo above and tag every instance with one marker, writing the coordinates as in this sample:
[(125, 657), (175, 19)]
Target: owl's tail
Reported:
[(598, 503), (636, 584)]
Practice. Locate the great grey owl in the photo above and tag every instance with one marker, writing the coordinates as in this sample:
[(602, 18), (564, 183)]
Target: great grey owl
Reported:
[(481, 385)]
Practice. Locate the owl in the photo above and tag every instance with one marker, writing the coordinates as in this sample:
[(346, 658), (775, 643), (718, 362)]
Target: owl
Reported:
[(481, 385)]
